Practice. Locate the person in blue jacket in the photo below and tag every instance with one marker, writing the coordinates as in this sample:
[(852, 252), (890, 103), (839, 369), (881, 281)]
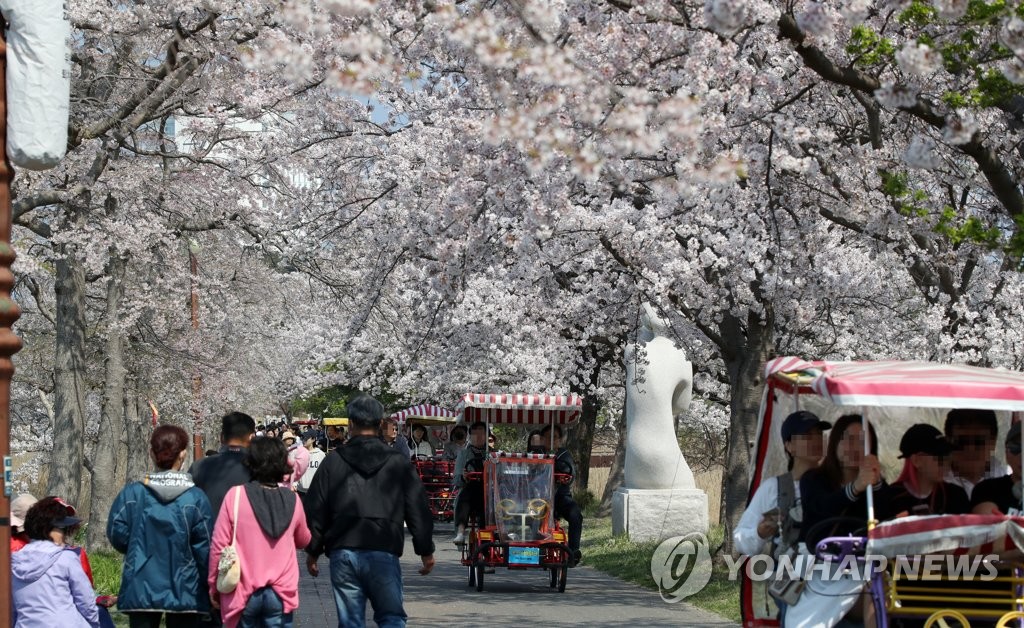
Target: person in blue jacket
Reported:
[(162, 526)]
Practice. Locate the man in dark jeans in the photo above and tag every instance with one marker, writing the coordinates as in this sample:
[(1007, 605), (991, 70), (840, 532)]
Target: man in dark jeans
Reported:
[(362, 494), (565, 506), (215, 475)]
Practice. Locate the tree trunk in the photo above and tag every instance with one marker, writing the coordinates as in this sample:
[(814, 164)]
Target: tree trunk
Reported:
[(584, 441), (746, 348), (583, 444), (617, 472), (69, 381), (107, 456), (137, 432)]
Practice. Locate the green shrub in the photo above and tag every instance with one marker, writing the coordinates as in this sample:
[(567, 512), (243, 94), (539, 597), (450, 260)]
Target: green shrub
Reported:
[(586, 500)]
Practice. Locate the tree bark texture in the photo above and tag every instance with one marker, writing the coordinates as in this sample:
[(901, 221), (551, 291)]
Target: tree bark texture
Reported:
[(137, 432), (616, 474), (747, 345), (109, 453), (65, 477), (583, 443)]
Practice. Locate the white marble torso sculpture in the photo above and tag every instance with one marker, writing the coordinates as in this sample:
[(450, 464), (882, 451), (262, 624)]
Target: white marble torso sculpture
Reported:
[(653, 458)]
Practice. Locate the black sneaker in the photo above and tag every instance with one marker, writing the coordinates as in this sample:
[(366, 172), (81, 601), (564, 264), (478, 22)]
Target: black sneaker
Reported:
[(576, 557)]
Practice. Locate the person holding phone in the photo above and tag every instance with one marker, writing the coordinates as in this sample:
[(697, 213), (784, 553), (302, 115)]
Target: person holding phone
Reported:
[(775, 514), (764, 520)]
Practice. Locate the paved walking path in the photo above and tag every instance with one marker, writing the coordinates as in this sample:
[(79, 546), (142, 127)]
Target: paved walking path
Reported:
[(518, 598)]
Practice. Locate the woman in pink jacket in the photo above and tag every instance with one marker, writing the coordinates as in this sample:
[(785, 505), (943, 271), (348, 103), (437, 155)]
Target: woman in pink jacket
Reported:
[(269, 526)]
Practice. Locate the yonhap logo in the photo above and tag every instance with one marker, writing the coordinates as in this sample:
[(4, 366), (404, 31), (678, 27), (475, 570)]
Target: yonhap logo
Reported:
[(681, 566)]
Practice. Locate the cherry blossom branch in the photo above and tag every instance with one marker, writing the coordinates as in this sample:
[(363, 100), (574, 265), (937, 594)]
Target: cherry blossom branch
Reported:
[(167, 78), (1004, 184), (33, 288)]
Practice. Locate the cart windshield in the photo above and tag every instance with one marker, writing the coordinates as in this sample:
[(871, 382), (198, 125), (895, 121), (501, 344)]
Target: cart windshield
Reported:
[(519, 494)]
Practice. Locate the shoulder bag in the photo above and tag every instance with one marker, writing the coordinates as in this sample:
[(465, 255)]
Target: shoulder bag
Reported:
[(229, 569)]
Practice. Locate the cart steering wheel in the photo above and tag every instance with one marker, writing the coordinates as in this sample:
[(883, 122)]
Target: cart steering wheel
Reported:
[(505, 508), (537, 507)]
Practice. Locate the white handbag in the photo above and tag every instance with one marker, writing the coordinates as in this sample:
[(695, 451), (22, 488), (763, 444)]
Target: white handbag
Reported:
[(229, 569)]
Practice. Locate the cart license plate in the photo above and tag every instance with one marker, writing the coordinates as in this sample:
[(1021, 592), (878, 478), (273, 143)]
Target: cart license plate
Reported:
[(524, 555)]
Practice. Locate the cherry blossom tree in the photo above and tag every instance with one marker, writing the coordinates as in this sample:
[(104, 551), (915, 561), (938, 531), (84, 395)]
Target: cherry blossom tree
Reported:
[(700, 156), (431, 197)]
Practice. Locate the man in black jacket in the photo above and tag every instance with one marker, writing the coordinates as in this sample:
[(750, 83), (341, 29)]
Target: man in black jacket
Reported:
[(361, 495), (214, 475), (565, 506)]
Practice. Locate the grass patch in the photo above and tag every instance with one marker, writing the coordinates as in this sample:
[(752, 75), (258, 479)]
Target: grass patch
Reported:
[(106, 572), (631, 561), (106, 576)]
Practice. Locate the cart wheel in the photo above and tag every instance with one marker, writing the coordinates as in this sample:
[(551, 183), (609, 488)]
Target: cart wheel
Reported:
[(554, 577), (563, 573), (480, 577), (472, 577)]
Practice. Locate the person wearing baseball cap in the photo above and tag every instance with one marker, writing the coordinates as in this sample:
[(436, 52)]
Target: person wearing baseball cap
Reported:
[(802, 438), (775, 514), (19, 508), (48, 585), (1002, 495), (920, 488)]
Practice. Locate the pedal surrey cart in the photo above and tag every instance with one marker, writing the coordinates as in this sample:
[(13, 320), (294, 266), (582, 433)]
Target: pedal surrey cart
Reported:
[(436, 474), (519, 529), (893, 395)]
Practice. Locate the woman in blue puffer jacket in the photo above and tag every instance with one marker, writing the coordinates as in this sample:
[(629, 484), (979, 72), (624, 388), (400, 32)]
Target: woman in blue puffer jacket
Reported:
[(162, 526)]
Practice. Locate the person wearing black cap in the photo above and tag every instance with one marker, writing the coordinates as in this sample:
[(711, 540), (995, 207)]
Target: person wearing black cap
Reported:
[(1002, 496), (766, 517), (920, 489), (775, 512), (49, 587)]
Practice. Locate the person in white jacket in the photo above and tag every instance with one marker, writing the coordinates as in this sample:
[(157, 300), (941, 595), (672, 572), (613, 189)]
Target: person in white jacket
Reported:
[(802, 436), (774, 513), (316, 456)]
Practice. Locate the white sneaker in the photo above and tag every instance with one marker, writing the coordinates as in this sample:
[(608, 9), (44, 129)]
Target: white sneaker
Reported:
[(460, 538)]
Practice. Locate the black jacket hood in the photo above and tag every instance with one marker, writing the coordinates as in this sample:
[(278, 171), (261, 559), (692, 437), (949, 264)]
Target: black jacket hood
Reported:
[(366, 454), (273, 507)]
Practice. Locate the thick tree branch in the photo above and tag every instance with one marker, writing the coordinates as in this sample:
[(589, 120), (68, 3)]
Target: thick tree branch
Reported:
[(167, 73), (1003, 183), (33, 288)]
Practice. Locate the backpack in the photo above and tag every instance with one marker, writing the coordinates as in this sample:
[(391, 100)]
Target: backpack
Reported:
[(786, 588), (789, 530)]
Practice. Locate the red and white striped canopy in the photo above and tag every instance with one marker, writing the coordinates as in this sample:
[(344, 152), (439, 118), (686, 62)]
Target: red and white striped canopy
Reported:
[(521, 409), (427, 414), (908, 384), (972, 534)]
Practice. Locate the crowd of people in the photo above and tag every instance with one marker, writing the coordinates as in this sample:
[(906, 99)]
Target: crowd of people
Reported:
[(269, 491), (823, 493), (217, 544)]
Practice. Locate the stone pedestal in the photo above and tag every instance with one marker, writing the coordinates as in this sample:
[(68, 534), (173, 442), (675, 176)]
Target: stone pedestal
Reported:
[(657, 514)]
